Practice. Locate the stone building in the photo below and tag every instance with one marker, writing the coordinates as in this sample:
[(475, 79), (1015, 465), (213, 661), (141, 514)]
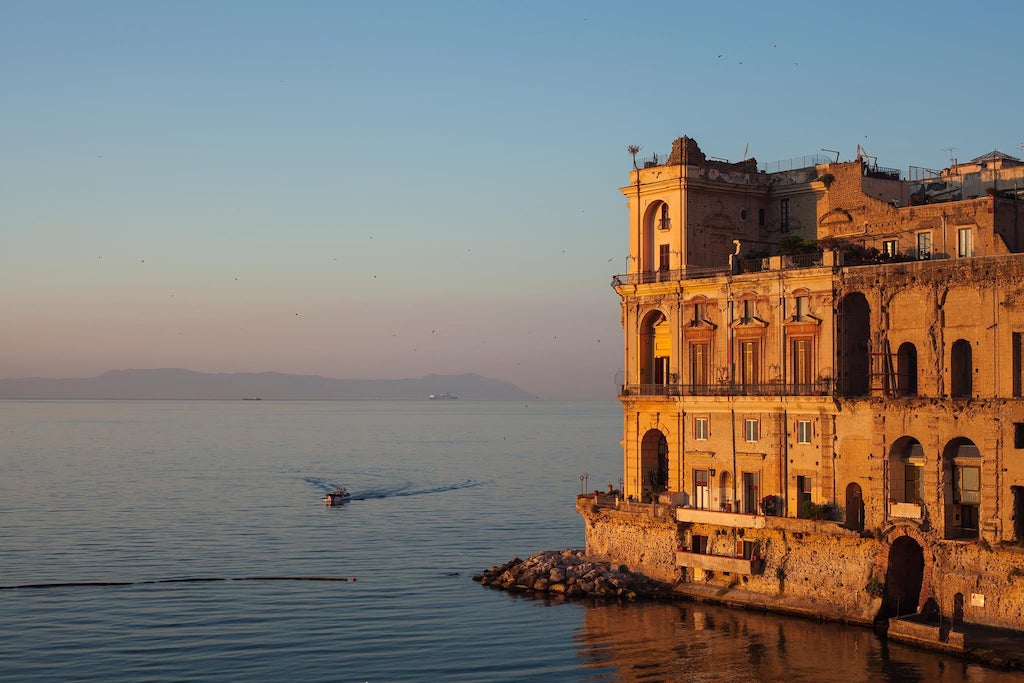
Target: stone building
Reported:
[(822, 393)]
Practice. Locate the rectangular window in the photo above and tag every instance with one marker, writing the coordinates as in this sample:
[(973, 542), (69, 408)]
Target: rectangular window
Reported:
[(748, 550), (913, 483), (749, 310), (699, 544), (784, 215), (700, 311), (701, 495), (964, 243), (751, 429), (924, 246), (699, 364), (890, 248), (1017, 363), (1018, 434), (700, 428), (801, 361), (968, 485), (748, 363), (760, 217), (803, 431), (663, 257), (803, 308)]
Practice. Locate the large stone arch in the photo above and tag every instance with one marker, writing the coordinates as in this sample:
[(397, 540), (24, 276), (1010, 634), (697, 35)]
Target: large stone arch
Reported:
[(907, 564)]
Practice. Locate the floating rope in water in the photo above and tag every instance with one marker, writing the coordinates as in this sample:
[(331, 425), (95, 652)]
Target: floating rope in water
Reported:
[(195, 579)]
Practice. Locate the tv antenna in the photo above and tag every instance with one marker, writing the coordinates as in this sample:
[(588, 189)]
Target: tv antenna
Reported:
[(952, 158)]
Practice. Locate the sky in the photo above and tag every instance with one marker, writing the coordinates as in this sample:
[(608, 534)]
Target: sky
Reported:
[(393, 189)]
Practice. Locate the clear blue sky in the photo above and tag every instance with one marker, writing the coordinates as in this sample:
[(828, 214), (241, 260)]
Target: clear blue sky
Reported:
[(391, 189)]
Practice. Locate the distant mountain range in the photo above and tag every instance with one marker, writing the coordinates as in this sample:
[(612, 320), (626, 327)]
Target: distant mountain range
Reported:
[(175, 383)]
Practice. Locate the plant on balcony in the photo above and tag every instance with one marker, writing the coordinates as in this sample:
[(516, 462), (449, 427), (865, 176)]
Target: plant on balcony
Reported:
[(771, 506), (819, 511)]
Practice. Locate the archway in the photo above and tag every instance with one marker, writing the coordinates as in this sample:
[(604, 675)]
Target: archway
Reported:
[(854, 345), (654, 462), (725, 491), (854, 507), (906, 369), (655, 352), (961, 369), (903, 578), (656, 223)]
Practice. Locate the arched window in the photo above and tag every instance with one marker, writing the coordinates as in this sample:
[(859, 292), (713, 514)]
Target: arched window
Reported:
[(906, 370), (961, 489), (961, 369), (853, 345)]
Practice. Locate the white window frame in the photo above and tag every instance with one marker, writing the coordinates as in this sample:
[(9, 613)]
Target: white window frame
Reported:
[(751, 429), (803, 431), (964, 243), (924, 238), (701, 428)]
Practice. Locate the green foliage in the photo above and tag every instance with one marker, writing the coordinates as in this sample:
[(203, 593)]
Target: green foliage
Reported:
[(819, 511), (827, 179), (875, 587), (792, 244), (771, 506)]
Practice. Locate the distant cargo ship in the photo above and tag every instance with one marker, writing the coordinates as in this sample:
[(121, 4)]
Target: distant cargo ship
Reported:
[(444, 397)]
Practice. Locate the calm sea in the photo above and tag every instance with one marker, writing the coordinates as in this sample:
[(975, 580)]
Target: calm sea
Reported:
[(204, 520)]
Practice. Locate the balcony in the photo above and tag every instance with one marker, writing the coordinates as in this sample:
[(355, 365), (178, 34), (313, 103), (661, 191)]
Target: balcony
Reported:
[(731, 519), (914, 511), (718, 563), (821, 387)]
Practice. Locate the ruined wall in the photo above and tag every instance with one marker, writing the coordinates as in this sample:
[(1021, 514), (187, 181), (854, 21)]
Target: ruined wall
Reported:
[(641, 541), (971, 570)]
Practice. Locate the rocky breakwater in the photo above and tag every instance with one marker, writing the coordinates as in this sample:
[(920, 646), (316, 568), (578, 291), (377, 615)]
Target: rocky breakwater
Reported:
[(571, 574)]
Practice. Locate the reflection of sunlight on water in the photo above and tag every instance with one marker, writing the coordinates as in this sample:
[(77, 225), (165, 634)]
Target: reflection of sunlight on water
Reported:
[(689, 642)]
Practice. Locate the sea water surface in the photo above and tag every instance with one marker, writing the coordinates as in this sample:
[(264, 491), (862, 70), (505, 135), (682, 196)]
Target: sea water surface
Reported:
[(188, 540)]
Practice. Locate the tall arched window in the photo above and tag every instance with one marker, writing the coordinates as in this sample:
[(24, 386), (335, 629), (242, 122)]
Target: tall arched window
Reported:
[(906, 370), (961, 369)]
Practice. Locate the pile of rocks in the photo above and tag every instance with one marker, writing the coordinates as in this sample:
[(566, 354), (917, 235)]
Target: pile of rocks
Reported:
[(571, 574)]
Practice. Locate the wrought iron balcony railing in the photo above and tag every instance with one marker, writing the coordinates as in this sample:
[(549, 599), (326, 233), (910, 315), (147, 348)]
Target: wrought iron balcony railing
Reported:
[(821, 387)]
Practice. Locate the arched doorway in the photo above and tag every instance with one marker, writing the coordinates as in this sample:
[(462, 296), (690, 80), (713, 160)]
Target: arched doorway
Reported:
[(854, 345), (961, 369), (903, 578), (854, 507), (906, 369), (654, 462), (725, 491)]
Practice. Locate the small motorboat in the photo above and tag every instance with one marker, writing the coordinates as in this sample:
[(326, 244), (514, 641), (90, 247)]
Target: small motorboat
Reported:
[(443, 397), (337, 497)]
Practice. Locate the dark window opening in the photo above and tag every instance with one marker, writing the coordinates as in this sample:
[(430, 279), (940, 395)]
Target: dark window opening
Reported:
[(1018, 434), (784, 215), (700, 544)]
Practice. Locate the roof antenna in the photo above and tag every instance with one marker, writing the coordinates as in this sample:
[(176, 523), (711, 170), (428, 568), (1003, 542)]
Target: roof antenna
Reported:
[(833, 152)]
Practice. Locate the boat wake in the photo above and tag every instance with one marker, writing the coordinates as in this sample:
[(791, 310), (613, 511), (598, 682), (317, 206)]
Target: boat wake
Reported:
[(396, 491)]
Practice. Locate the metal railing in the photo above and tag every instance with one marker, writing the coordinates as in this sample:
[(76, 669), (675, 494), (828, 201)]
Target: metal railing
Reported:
[(796, 162), (647, 277), (821, 387)]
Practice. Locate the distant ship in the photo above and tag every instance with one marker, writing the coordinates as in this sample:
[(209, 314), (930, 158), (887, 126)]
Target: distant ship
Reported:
[(444, 397)]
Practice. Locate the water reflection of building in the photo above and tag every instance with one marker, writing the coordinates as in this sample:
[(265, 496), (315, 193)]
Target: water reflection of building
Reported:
[(700, 642), (824, 362)]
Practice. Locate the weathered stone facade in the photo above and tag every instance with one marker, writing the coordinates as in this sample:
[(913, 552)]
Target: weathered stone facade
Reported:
[(817, 344)]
